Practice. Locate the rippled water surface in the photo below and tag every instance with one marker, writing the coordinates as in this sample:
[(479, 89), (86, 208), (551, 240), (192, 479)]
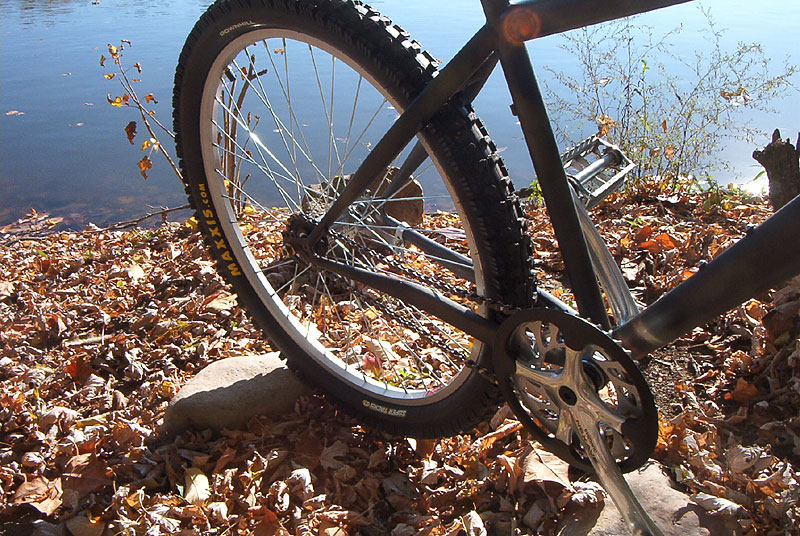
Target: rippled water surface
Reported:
[(63, 149)]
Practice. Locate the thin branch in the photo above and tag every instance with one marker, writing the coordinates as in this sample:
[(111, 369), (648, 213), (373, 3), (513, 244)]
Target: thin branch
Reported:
[(147, 115), (136, 221)]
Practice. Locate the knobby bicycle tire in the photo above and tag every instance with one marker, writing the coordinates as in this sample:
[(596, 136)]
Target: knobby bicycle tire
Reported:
[(246, 143)]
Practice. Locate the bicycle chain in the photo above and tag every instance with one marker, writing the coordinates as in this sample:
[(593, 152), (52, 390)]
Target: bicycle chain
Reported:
[(416, 325), (439, 285)]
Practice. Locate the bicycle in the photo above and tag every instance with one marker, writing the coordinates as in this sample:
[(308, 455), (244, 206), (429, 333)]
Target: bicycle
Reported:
[(383, 251)]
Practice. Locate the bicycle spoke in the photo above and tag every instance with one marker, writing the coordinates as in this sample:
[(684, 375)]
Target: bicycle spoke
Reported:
[(261, 147), (280, 127), (350, 124), (293, 121)]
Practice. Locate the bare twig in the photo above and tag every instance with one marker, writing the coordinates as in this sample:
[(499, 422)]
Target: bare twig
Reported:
[(25, 239), (136, 221)]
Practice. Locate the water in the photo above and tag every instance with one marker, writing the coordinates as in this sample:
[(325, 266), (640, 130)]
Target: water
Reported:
[(67, 153)]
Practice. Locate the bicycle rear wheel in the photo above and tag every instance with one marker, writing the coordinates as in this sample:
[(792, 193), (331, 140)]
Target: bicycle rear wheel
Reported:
[(276, 104)]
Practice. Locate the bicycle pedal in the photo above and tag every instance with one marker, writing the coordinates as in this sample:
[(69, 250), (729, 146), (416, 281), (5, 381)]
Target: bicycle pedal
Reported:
[(595, 169)]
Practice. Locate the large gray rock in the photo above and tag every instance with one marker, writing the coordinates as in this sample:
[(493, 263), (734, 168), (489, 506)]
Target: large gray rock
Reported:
[(408, 205), (229, 392), (673, 511)]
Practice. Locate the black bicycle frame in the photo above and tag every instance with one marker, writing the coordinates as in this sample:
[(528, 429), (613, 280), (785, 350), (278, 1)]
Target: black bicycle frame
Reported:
[(763, 259)]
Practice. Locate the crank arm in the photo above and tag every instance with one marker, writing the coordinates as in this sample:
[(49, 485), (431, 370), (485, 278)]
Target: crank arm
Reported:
[(596, 448)]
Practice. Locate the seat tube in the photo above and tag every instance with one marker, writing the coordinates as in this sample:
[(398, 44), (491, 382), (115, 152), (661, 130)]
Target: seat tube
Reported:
[(540, 140)]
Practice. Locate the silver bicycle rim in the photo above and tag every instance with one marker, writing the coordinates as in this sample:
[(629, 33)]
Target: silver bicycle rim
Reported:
[(277, 45)]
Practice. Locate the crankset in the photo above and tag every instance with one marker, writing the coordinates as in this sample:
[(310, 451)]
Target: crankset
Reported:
[(565, 380), (579, 394)]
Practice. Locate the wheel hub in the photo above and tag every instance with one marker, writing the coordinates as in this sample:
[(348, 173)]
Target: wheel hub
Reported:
[(295, 237), (562, 376)]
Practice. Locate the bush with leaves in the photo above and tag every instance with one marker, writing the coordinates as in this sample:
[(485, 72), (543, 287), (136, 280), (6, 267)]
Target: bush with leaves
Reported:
[(671, 121)]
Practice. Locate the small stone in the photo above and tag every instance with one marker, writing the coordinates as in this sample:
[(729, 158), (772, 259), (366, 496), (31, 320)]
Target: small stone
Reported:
[(409, 206), (229, 392)]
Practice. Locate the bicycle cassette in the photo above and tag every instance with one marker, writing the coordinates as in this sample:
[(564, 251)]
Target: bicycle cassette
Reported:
[(561, 375)]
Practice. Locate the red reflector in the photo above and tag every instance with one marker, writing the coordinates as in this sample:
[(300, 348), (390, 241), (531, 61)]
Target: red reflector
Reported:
[(520, 24)]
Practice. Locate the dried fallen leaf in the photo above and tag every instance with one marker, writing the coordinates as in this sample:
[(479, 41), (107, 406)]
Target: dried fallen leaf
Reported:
[(222, 301), (144, 164), (741, 458), (197, 489), (300, 483), (717, 505), (78, 368), (473, 524), (329, 454), (62, 416), (587, 493), (135, 272), (483, 443), (269, 525), (44, 495), (6, 289), (546, 471), (651, 245), (130, 131), (665, 241), (744, 392), (371, 364), (218, 511), (643, 233), (84, 474)]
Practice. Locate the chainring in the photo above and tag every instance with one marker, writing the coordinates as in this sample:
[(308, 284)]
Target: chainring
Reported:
[(560, 374)]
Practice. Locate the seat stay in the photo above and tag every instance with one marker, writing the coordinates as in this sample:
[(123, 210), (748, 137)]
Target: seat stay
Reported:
[(418, 154)]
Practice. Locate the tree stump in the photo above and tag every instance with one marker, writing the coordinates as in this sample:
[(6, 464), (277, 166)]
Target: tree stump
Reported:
[(781, 160)]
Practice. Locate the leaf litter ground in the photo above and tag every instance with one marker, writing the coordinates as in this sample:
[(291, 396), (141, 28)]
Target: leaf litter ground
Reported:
[(100, 328)]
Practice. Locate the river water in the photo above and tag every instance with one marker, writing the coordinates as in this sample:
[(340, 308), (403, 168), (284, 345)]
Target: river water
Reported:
[(63, 148)]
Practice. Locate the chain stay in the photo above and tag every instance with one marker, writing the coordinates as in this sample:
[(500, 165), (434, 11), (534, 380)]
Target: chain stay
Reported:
[(470, 295), (416, 326)]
